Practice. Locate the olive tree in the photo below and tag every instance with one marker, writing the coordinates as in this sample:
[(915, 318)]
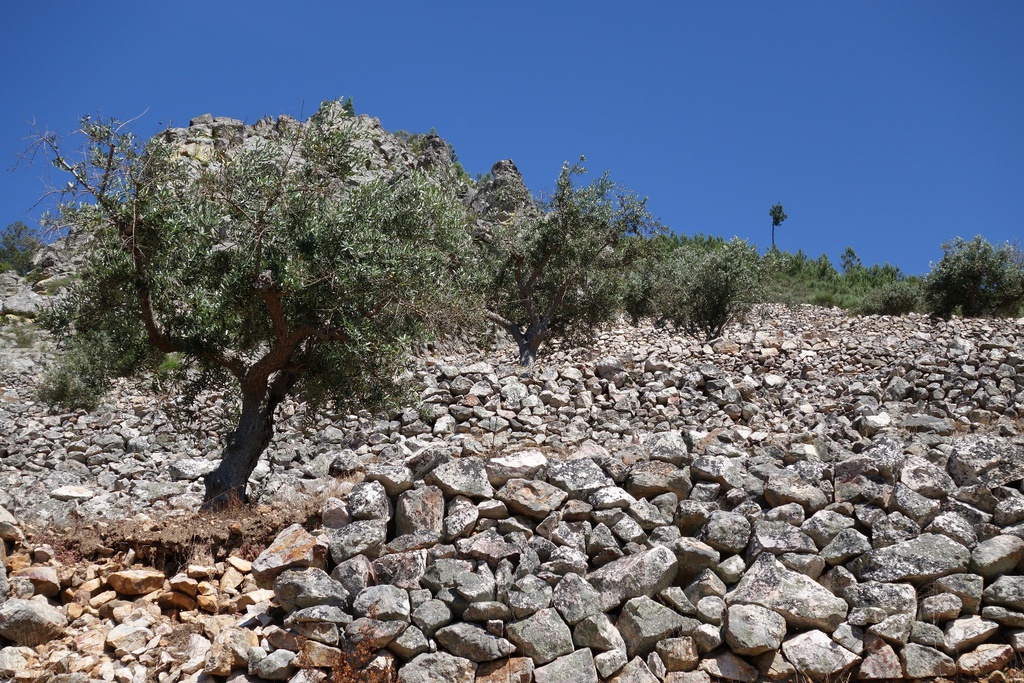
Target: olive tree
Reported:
[(703, 287), (559, 272), (264, 268), (976, 278)]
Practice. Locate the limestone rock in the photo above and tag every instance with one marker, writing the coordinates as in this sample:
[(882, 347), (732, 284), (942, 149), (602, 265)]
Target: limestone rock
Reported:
[(643, 622), (802, 602), (542, 636), (642, 574), (929, 556), (753, 630), (29, 622), (817, 656), (293, 547)]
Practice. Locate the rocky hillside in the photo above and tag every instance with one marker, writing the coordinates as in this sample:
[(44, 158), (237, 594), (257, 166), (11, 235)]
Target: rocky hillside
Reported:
[(811, 493)]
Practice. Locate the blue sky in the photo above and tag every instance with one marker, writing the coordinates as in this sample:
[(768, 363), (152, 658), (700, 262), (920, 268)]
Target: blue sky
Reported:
[(887, 126)]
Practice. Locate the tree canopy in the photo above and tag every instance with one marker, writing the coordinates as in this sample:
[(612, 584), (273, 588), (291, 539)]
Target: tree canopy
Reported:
[(559, 271), (264, 267)]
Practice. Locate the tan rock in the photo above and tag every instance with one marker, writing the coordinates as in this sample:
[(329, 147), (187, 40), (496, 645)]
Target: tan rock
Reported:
[(986, 659), (136, 581), (513, 670), (230, 651), (244, 566), (101, 599), (293, 547), (314, 655)]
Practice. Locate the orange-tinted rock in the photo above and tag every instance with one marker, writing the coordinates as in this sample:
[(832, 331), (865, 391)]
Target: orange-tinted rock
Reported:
[(293, 547), (136, 581)]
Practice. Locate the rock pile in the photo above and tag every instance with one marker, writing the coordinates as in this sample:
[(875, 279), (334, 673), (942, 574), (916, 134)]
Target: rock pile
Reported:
[(686, 564), (814, 494)]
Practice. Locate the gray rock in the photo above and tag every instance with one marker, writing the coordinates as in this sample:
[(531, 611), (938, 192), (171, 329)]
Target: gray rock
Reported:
[(642, 574), (817, 656), (435, 667), (522, 465), (967, 587), (895, 629), (473, 643), (779, 537), (890, 598), (753, 630), (30, 623), (801, 601), (643, 622), (532, 498), (920, 661), (298, 588), (727, 532), (575, 599), (929, 556), (997, 556), (387, 603), (529, 595), (846, 545), (276, 666), (597, 632), (824, 525), (577, 667), (462, 477), (364, 537), (965, 634), (651, 478), (636, 671), (986, 460), (369, 500), (938, 609), (542, 636), (727, 666), (926, 479), (431, 615), (577, 477), (410, 643)]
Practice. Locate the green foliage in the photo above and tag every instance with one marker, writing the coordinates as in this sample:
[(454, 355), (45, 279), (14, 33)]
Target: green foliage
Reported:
[(976, 278), (704, 288), (261, 263), (18, 245), (557, 273), (896, 298), (795, 278)]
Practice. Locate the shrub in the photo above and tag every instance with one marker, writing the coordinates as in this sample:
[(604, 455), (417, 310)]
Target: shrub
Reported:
[(703, 290), (18, 245), (975, 279), (898, 298)]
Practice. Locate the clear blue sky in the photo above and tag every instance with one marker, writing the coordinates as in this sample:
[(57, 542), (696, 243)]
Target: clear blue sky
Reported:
[(887, 126)]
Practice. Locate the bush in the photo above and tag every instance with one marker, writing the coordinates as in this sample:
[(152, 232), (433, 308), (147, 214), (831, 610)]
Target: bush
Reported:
[(703, 290), (897, 298), (76, 383), (18, 245), (975, 279)]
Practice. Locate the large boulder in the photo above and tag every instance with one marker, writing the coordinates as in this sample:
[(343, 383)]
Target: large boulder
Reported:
[(927, 557), (30, 622), (801, 601), (642, 574)]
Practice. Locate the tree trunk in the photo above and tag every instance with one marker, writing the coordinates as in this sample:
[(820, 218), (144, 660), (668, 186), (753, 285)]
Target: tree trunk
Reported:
[(528, 345), (226, 485)]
